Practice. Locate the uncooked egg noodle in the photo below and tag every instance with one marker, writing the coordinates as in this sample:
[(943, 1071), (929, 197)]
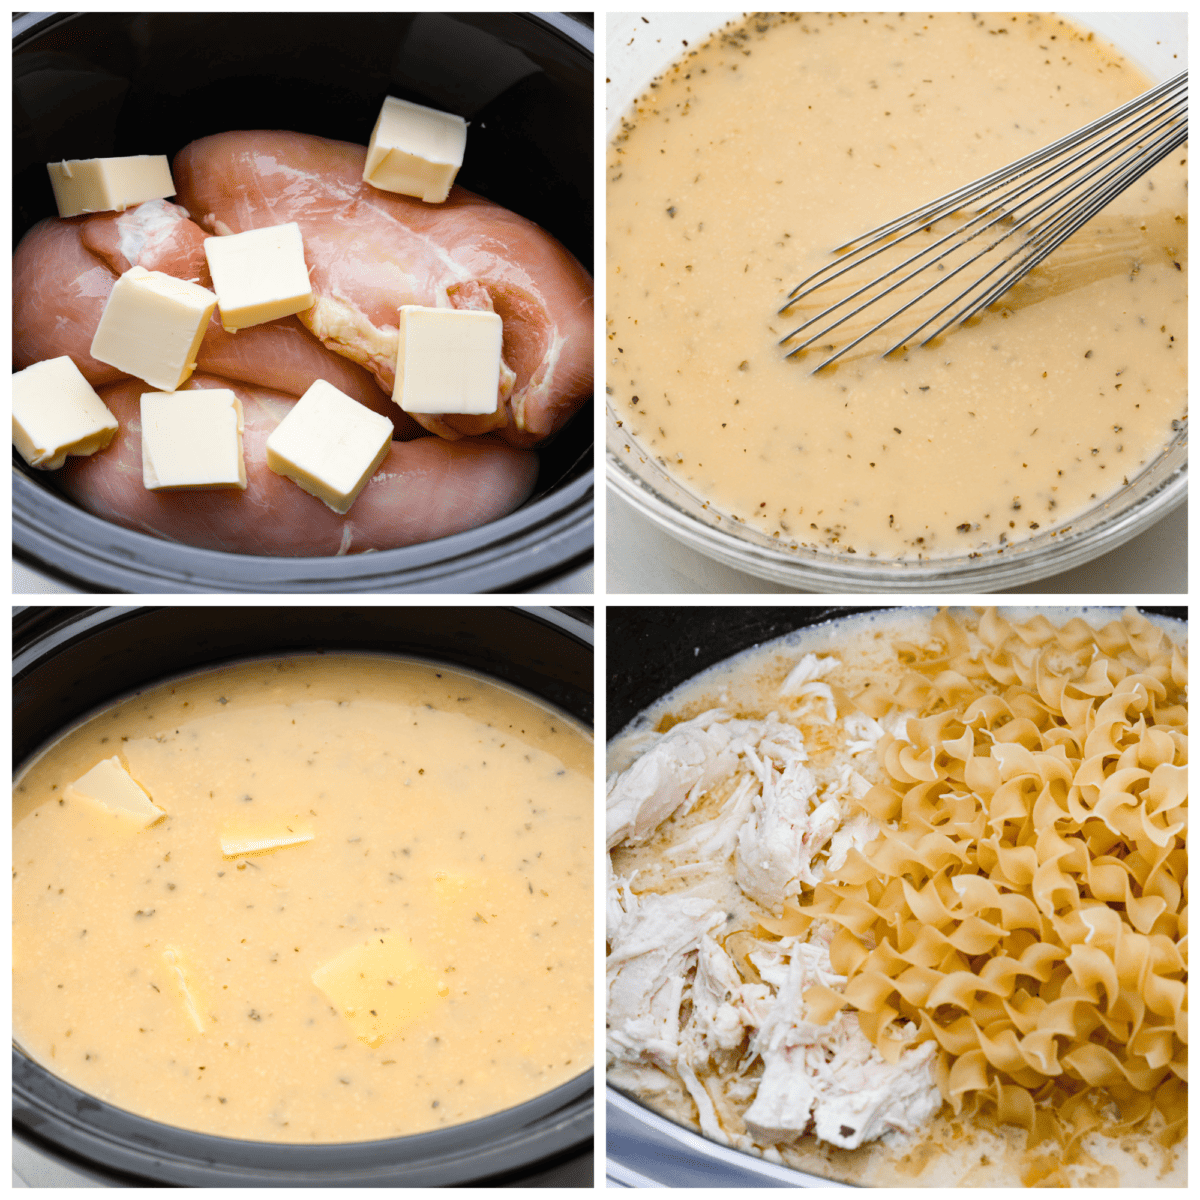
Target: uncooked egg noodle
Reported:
[(1026, 816)]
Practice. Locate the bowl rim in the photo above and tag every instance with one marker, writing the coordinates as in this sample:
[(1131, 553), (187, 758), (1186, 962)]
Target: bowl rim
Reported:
[(1049, 553)]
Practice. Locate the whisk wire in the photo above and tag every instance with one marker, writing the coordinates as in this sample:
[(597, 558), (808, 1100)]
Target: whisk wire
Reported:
[(1166, 93), (1046, 238), (1071, 224), (922, 215), (1044, 197), (1003, 205)]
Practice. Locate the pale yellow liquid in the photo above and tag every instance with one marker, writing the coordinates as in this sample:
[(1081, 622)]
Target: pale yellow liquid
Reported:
[(449, 813), (755, 156)]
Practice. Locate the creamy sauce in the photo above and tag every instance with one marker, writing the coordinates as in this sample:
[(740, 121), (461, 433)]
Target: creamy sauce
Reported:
[(451, 824), (759, 152), (874, 650)]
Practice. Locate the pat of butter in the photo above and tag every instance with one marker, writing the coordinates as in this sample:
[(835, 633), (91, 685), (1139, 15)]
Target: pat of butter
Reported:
[(152, 327), (259, 838), (415, 150), (448, 360), (192, 440), (380, 987), (109, 785), (87, 185), (259, 275), (56, 412), (184, 987), (329, 445)]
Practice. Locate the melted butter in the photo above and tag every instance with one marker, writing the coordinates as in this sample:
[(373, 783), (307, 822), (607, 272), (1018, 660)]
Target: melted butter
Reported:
[(776, 141), (160, 975)]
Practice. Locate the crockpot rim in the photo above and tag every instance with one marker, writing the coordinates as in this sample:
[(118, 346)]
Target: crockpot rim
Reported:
[(550, 535), (41, 621), (46, 1109), (41, 632), (765, 1170), (551, 531)]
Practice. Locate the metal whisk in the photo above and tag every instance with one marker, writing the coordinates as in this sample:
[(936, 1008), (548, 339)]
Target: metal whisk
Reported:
[(1032, 206)]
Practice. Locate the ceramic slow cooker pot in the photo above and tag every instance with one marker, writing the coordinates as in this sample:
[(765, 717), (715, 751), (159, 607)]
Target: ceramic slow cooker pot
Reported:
[(652, 651), (68, 662), (92, 84)]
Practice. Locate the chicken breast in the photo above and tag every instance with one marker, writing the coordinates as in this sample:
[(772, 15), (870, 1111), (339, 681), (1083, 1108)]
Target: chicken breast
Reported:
[(677, 1000), (64, 270), (651, 950), (372, 251), (369, 252), (60, 289), (425, 489), (830, 1078)]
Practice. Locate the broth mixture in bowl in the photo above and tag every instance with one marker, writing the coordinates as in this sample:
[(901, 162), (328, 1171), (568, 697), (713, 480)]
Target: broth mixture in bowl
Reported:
[(902, 899), (749, 160), (359, 908)]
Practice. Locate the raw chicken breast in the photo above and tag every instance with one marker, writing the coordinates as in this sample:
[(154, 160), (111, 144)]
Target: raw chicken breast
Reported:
[(59, 291), (372, 251), (63, 272), (425, 489)]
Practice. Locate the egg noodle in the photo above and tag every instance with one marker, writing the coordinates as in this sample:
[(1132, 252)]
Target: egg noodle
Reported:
[(1026, 901)]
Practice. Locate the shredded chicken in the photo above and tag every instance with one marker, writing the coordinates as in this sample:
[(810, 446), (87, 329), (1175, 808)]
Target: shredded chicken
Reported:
[(733, 802)]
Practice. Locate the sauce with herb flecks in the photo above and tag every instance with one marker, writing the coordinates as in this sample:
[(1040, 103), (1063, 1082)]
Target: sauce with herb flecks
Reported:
[(451, 849), (755, 155)]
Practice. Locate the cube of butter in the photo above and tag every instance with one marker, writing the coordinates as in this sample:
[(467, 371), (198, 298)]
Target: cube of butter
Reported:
[(192, 441), (109, 785), (182, 982), (56, 412), (261, 836), (152, 327), (87, 185), (380, 987), (329, 445), (415, 150), (448, 360), (259, 275)]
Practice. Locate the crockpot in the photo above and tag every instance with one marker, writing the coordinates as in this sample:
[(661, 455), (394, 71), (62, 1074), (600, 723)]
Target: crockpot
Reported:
[(651, 651), (95, 84), (68, 662)]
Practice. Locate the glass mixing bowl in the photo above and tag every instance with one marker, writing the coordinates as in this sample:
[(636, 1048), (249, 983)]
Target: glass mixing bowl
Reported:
[(641, 48), (115, 83)]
